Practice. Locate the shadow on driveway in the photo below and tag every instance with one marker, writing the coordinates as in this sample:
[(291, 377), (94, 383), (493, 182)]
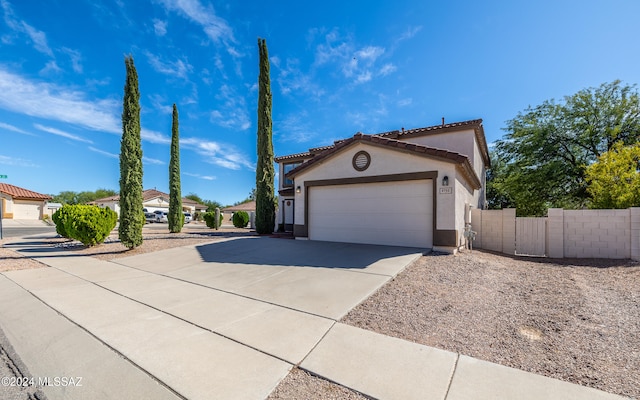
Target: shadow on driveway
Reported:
[(273, 251)]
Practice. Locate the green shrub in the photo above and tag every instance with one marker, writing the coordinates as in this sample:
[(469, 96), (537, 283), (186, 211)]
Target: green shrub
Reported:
[(210, 217), (240, 219), (90, 225), (60, 218)]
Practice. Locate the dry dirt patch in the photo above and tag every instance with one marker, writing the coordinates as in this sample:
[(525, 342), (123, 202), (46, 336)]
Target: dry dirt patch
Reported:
[(300, 384), (575, 320)]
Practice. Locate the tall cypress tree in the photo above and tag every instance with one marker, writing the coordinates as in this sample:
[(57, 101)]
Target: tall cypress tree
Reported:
[(131, 214), (175, 216), (265, 172)]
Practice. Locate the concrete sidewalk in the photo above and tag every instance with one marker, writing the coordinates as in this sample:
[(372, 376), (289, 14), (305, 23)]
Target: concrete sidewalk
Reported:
[(229, 320)]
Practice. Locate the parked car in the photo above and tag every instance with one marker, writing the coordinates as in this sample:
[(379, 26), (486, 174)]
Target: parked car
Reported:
[(161, 216), (149, 217), (187, 217)]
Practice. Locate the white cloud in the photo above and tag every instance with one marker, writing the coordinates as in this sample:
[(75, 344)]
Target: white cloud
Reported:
[(179, 68), (293, 81), (15, 129), (355, 63), (154, 161), (50, 67), (232, 109), (104, 153), (19, 162), (405, 102), (223, 155), (409, 33), (154, 137), (295, 128), (387, 69), (75, 57), (159, 27), (205, 177), (36, 36), (49, 101), (63, 134), (363, 77), (215, 27), (160, 103), (369, 53)]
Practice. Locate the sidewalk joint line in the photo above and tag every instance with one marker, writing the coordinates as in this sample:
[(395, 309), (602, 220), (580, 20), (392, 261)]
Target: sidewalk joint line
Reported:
[(453, 372), (317, 343), (153, 377), (173, 316), (225, 291)]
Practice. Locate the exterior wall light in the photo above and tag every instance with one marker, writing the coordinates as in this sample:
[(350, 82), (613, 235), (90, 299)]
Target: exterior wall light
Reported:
[(445, 181), (298, 189)]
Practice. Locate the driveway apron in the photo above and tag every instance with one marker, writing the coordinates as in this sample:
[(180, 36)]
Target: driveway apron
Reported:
[(221, 320)]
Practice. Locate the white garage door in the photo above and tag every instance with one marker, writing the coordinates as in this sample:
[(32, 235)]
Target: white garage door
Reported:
[(24, 209), (388, 213)]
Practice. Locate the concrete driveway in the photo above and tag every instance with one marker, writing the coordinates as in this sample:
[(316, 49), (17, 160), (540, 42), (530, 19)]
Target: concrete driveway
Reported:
[(221, 320)]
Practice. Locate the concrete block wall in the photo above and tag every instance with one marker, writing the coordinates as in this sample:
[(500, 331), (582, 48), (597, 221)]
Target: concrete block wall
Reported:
[(597, 234), (491, 228), (635, 233), (555, 233), (509, 231), (570, 233)]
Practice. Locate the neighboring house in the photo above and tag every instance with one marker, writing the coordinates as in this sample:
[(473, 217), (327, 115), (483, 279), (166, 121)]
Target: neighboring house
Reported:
[(19, 203), (152, 200), (227, 212), (405, 188)]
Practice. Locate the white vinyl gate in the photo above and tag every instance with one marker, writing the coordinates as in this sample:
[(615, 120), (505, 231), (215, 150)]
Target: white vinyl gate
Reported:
[(531, 236)]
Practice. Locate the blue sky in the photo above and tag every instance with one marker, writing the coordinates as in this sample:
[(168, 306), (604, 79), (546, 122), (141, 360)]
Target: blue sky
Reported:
[(337, 67)]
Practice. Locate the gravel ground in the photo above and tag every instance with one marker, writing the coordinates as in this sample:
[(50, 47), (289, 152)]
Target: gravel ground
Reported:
[(13, 374), (574, 320), (300, 384)]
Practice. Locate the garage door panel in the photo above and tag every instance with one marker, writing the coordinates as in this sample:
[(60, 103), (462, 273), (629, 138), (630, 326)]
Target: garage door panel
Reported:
[(23, 209), (391, 213)]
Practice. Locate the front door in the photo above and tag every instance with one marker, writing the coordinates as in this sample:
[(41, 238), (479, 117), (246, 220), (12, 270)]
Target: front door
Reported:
[(287, 206)]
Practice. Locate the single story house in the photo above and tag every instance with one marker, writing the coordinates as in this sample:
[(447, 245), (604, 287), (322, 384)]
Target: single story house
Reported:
[(405, 188), (152, 200), (19, 203), (227, 212)]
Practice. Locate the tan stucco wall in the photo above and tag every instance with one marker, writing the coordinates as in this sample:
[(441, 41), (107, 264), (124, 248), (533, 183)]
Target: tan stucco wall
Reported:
[(383, 162), (463, 142), (7, 206)]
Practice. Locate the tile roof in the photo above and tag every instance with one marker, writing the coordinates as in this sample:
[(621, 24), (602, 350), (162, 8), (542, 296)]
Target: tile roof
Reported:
[(248, 206), (22, 194), (476, 124), (146, 196), (445, 155)]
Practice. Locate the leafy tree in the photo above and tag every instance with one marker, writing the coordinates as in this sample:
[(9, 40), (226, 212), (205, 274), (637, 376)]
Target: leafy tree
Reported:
[(497, 196), (175, 216), (211, 204), (614, 180), (265, 172), (194, 197), (547, 148), (251, 197), (131, 214), (71, 197)]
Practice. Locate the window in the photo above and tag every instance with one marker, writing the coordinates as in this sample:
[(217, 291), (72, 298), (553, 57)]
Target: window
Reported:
[(285, 169)]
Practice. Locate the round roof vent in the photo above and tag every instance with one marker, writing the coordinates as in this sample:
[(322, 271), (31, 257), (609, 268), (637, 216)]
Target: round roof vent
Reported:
[(361, 160)]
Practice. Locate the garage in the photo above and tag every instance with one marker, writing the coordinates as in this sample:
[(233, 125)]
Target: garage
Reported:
[(398, 213), (26, 209)]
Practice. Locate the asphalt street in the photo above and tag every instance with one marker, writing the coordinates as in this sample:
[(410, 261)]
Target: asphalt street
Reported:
[(22, 231)]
